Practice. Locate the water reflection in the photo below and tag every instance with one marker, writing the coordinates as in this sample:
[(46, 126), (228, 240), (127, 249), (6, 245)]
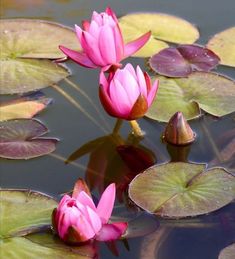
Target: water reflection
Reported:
[(114, 159)]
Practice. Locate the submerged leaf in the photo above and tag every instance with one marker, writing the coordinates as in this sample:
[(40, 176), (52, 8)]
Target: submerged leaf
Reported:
[(183, 60), (21, 139), (211, 92), (223, 44), (182, 189), (24, 107), (162, 26), (31, 38), (24, 211)]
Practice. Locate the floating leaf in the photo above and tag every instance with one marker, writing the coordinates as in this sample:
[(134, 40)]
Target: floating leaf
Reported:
[(223, 44), (24, 107), (24, 211), (20, 75), (163, 27), (183, 60), (182, 189), (21, 139), (228, 252), (151, 47), (20, 247), (211, 92), (30, 38)]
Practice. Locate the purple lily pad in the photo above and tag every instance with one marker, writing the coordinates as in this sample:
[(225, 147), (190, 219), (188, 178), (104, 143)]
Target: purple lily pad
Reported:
[(21, 139), (183, 60)]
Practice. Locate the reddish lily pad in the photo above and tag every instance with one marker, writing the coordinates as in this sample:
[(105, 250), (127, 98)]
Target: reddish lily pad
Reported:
[(182, 189), (228, 252), (223, 44), (24, 107), (24, 212), (30, 38), (21, 139), (183, 60), (211, 92), (164, 27)]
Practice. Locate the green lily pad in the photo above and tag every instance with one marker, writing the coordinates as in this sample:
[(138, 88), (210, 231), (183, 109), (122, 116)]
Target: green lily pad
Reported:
[(211, 92), (151, 47), (28, 38), (163, 27), (19, 75), (223, 44), (48, 248), (23, 212), (182, 189), (228, 252)]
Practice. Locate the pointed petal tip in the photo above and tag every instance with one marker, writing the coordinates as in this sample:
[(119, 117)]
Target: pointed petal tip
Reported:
[(135, 45)]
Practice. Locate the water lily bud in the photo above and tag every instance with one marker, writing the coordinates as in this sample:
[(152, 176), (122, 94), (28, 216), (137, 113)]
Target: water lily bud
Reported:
[(127, 93), (102, 42), (178, 131)]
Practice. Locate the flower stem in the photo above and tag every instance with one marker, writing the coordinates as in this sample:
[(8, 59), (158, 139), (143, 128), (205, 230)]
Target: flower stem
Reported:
[(117, 126), (84, 94), (77, 105), (136, 128)]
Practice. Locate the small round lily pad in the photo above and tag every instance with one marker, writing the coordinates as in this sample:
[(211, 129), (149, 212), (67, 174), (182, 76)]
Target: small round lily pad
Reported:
[(22, 139), (210, 92), (182, 189), (24, 211), (183, 60), (223, 44)]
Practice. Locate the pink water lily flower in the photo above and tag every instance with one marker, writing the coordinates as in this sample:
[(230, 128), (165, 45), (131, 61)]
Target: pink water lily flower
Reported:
[(77, 219), (127, 93), (102, 42)]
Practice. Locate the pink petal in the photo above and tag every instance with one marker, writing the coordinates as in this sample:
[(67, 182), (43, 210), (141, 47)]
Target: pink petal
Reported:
[(134, 46), (119, 98), (84, 227), (106, 203), (85, 25), (107, 44), (90, 47), (94, 30), (141, 81), (97, 17), (103, 81), (80, 58), (86, 200), (110, 12), (94, 220), (106, 102), (119, 43), (78, 31), (152, 92), (112, 231)]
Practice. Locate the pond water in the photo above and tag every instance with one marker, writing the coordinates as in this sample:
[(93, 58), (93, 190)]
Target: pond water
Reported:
[(199, 238)]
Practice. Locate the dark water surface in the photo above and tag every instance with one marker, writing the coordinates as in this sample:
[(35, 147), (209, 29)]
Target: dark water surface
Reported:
[(199, 238)]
